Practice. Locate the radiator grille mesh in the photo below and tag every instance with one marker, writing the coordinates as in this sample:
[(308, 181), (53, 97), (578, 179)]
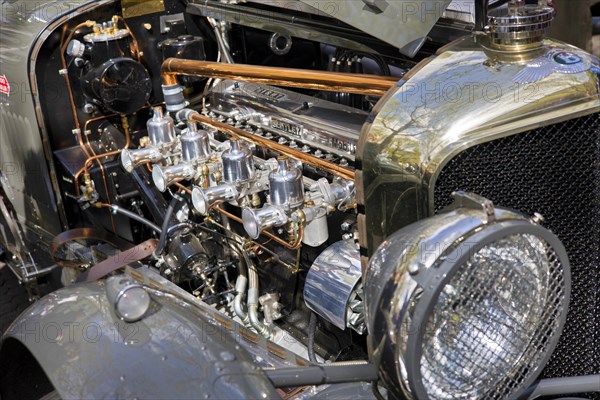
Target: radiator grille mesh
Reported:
[(555, 171)]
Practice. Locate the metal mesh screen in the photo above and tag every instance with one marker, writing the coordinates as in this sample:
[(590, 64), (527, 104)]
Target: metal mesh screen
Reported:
[(554, 170), (493, 321)]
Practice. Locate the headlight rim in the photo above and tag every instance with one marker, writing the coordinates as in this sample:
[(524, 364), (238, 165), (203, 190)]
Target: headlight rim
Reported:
[(434, 279)]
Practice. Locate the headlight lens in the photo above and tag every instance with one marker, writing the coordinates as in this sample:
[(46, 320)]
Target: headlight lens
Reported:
[(492, 319), (468, 304)]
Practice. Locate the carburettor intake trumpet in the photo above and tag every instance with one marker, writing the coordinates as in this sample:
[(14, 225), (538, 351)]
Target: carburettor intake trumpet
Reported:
[(239, 174), (286, 194), (161, 132), (195, 150)]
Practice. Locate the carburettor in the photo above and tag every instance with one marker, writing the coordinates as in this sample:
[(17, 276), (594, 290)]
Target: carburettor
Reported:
[(195, 151), (162, 142), (273, 193)]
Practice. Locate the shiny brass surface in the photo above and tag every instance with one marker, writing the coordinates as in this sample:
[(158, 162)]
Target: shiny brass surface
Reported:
[(136, 8), (260, 141), (462, 97), (307, 79)]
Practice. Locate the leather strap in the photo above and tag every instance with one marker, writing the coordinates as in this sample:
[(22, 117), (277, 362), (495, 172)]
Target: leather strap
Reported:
[(82, 234), (119, 260)]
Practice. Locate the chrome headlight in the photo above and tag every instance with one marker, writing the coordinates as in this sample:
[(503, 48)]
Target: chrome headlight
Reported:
[(466, 304)]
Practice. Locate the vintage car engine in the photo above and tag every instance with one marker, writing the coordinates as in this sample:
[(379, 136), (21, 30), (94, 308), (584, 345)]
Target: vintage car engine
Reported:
[(259, 190), (263, 200)]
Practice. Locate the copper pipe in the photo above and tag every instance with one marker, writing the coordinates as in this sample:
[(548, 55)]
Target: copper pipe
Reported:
[(260, 141), (103, 173), (133, 38), (183, 188), (308, 79), (111, 153), (292, 246)]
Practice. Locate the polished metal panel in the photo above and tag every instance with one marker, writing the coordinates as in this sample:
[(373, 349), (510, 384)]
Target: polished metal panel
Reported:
[(284, 23), (286, 185), (302, 119), (161, 128), (401, 23), (331, 280), (101, 356), (238, 163), (463, 96)]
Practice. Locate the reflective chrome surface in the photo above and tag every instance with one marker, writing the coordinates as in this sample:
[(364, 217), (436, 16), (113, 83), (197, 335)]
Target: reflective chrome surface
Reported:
[(131, 159), (302, 120), (331, 281), (494, 314), (286, 185), (164, 177), (401, 268), (161, 128), (463, 96), (255, 220), (194, 144), (401, 23), (519, 25), (204, 199), (238, 163)]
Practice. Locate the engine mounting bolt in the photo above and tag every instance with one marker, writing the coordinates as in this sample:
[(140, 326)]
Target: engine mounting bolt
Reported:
[(89, 108)]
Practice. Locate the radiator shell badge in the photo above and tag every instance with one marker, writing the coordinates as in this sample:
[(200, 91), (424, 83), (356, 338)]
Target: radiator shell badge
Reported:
[(4, 85), (555, 60)]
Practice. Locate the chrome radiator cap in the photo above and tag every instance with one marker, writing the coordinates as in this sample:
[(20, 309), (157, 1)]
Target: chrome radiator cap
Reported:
[(519, 25)]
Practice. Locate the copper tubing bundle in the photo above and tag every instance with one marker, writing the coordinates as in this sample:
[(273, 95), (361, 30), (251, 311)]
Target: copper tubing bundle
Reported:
[(307, 79)]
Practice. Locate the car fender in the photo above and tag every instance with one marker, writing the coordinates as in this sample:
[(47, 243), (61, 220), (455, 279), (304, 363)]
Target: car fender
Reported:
[(175, 351)]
